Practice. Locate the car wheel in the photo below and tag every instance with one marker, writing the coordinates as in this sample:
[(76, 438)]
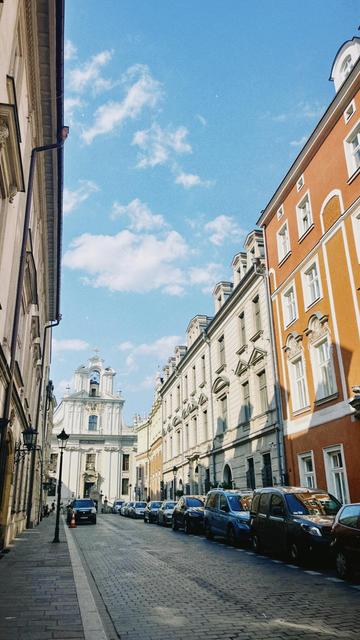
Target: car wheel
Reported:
[(187, 526), (174, 525), (255, 543), (295, 552), (231, 537), (343, 567), (208, 532)]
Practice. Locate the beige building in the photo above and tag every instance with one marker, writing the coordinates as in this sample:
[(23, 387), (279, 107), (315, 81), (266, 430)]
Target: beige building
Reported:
[(31, 116), (149, 453), (219, 412)]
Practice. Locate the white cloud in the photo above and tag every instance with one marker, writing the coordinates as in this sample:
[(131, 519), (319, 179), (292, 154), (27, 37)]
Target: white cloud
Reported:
[(88, 75), (140, 215), (142, 90), (161, 349), (125, 346), (72, 199), (129, 262), (224, 228), (201, 119), (158, 145), (298, 143), (69, 50), (205, 276), (70, 106), (189, 180), (301, 111), (72, 344)]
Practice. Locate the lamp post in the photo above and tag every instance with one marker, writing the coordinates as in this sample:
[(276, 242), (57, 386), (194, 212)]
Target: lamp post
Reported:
[(174, 483), (62, 440)]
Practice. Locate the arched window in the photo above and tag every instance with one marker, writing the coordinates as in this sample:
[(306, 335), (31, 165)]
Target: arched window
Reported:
[(93, 423), (227, 475)]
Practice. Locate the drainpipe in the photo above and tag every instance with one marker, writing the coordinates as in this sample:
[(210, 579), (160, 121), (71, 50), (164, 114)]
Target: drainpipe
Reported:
[(207, 340), (279, 429)]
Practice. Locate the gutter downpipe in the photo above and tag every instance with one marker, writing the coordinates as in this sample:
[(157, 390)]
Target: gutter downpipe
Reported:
[(278, 402), (207, 340)]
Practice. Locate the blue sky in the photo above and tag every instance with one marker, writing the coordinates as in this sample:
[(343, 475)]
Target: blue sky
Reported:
[(183, 118)]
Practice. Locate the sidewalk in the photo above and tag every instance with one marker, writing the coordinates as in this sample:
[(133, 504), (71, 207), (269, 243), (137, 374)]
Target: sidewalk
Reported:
[(38, 594)]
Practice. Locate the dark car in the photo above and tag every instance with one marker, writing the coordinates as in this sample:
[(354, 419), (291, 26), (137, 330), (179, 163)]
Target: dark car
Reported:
[(346, 540), (164, 515), (227, 514), (83, 509), (292, 521), (189, 514), (151, 511)]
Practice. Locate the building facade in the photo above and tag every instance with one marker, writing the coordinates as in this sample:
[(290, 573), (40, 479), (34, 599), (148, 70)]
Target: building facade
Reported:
[(31, 116), (220, 417), (312, 234), (100, 453), (149, 453)]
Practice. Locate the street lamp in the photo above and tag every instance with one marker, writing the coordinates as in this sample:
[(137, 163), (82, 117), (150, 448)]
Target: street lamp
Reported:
[(29, 439), (62, 440), (174, 472)]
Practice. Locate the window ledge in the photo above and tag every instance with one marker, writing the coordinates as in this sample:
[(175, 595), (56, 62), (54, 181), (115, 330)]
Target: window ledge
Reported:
[(298, 412), (281, 262), (241, 350), (286, 326), (303, 236), (257, 335), (221, 368), (313, 303), (354, 175), (322, 401)]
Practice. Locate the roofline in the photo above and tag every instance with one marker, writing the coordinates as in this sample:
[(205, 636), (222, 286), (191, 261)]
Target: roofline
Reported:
[(338, 52)]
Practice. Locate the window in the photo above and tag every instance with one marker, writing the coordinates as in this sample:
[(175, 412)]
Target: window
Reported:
[(304, 216), (257, 314), (194, 379), (178, 435), (349, 111), (335, 473), (298, 384), (311, 284), (246, 401), (300, 183), (92, 426), (250, 474), (203, 368), (352, 150), (221, 343), (223, 412), (277, 506), (323, 370), (205, 425), (306, 469), (90, 462), (53, 462), (346, 67), (289, 305), (280, 212), (350, 516), (186, 388), (125, 462), (266, 471), (125, 486), (178, 396), (186, 437), (263, 397), (195, 432), (242, 329), (356, 230), (283, 242)]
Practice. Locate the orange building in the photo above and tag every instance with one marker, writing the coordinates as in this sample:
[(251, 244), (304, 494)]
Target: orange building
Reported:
[(312, 235)]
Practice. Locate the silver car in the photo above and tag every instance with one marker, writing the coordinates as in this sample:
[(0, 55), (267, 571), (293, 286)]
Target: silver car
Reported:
[(164, 515), (137, 510)]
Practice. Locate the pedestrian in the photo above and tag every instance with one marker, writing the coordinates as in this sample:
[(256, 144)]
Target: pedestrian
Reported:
[(52, 507)]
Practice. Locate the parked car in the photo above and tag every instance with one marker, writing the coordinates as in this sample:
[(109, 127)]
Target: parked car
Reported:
[(123, 509), (189, 514), (164, 515), (346, 540), (294, 521), (137, 509), (117, 506), (83, 509), (227, 514), (128, 508), (151, 511)]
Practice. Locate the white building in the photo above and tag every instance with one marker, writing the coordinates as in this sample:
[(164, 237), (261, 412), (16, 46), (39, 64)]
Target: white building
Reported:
[(220, 418), (99, 456)]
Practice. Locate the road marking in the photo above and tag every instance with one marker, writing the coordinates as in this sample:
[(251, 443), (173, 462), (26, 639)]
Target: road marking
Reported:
[(313, 573), (277, 561), (291, 566), (334, 579)]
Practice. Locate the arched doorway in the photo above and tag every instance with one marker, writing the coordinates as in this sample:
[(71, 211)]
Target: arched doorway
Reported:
[(227, 477)]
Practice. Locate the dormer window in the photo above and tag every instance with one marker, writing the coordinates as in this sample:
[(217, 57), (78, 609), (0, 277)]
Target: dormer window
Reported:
[(346, 66)]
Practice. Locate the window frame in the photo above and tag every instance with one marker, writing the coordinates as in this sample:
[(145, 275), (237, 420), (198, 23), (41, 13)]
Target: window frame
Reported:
[(303, 474), (327, 451), (221, 351), (299, 218), (352, 166), (282, 254), (247, 412), (355, 219), (348, 116), (294, 386), (305, 283), (263, 391), (290, 286), (317, 365)]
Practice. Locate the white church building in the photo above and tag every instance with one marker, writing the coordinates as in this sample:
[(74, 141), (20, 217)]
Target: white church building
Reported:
[(98, 461)]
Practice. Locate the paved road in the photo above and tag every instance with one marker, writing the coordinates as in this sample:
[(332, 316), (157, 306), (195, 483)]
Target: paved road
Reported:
[(157, 584)]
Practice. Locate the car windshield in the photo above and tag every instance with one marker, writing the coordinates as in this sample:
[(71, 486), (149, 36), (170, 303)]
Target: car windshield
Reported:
[(239, 503), (119, 502), (312, 504), (79, 504), (194, 502), (155, 505), (140, 505), (169, 505)]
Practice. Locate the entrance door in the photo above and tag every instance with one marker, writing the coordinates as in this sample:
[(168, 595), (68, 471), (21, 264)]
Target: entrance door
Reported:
[(87, 489)]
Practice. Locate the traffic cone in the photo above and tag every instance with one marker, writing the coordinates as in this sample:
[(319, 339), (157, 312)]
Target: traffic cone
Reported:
[(72, 524)]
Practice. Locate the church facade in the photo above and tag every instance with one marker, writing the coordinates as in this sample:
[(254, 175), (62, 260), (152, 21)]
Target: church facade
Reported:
[(99, 457)]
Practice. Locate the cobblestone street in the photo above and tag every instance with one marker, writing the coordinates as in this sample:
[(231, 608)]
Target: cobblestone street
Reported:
[(157, 584)]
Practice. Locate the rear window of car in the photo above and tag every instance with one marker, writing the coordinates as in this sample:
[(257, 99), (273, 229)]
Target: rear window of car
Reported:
[(350, 517), (312, 504), (80, 504), (169, 505), (194, 502), (239, 503), (139, 505), (155, 505)]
